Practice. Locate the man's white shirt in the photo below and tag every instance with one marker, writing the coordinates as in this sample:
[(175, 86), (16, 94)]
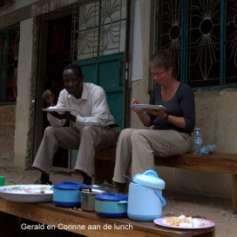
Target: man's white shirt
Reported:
[(91, 109)]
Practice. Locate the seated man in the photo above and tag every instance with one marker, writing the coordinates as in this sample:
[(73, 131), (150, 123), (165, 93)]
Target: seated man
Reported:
[(91, 122), (169, 131)]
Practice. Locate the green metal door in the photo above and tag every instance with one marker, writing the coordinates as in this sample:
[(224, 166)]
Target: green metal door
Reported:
[(99, 45), (107, 71)]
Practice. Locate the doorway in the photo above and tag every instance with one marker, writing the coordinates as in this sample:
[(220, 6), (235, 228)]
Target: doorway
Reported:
[(55, 54), (58, 52)]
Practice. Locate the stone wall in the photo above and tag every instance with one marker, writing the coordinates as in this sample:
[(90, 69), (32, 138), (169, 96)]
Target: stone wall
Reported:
[(15, 6), (7, 133), (216, 115)]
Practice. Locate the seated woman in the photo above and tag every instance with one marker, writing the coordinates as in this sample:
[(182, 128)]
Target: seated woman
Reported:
[(169, 131)]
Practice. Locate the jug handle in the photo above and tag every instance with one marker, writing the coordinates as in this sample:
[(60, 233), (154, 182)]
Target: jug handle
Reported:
[(151, 173), (160, 196)]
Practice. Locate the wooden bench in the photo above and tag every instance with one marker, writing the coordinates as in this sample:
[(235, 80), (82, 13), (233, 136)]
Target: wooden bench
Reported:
[(215, 163), (104, 164), (86, 223)]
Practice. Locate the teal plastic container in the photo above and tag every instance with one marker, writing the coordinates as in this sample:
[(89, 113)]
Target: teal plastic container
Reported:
[(111, 205), (67, 194)]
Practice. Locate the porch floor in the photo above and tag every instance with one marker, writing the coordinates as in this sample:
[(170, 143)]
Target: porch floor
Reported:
[(218, 210)]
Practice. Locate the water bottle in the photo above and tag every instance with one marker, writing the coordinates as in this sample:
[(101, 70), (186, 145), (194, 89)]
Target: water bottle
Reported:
[(197, 140), (207, 149)]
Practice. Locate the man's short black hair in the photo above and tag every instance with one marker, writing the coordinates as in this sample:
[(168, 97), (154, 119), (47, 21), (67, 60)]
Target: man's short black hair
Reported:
[(76, 68)]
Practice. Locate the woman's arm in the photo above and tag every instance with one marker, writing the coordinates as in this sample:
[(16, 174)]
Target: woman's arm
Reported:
[(144, 118), (186, 103), (176, 121), (187, 121)]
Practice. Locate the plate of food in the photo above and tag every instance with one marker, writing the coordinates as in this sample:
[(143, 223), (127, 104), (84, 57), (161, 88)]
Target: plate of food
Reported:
[(27, 192), (184, 222), (148, 107)]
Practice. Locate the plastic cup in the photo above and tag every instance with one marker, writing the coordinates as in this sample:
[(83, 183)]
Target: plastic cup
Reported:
[(2, 180)]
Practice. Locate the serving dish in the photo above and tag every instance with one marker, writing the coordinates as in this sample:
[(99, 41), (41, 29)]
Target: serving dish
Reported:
[(27, 193)]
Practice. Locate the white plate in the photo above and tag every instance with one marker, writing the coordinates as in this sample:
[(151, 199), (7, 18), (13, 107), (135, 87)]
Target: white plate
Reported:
[(147, 107), (27, 192), (56, 109), (192, 224)]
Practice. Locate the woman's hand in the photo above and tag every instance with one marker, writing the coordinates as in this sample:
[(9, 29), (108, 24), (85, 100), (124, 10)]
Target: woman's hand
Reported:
[(142, 115), (157, 113), (135, 101)]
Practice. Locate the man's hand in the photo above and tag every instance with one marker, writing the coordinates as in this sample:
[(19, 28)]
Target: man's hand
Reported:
[(48, 97), (66, 115)]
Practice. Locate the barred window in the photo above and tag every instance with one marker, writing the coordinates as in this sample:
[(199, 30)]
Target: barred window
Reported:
[(99, 28), (203, 34), (5, 2)]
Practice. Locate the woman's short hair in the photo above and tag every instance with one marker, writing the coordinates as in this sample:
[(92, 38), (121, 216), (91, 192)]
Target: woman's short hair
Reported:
[(76, 68), (165, 59)]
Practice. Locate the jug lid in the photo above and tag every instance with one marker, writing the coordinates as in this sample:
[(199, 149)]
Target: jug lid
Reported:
[(149, 179)]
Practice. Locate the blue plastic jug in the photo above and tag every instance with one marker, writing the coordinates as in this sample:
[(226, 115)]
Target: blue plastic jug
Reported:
[(145, 200)]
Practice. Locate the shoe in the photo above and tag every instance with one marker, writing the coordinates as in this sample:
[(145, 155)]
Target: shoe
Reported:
[(39, 181), (44, 179), (86, 179)]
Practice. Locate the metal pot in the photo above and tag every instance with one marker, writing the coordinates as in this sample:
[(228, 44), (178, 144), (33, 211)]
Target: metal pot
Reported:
[(87, 200), (102, 188), (88, 197)]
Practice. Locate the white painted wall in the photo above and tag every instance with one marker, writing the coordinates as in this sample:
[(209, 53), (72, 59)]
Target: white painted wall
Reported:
[(137, 56), (23, 103), (140, 54)]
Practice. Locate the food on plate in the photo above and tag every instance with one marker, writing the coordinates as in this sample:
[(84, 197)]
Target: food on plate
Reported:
[(184, 221)]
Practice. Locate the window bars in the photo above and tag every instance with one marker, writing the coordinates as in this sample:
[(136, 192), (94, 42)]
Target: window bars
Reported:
[(99, 28)]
